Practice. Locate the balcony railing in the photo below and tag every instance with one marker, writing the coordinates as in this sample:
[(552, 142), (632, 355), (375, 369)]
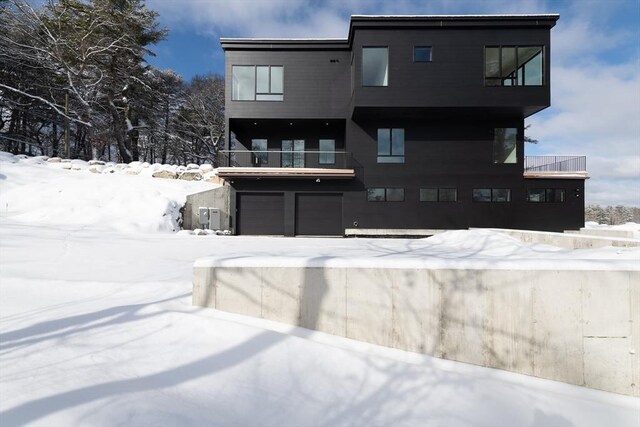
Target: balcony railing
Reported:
[(555, 164), (285, 159)]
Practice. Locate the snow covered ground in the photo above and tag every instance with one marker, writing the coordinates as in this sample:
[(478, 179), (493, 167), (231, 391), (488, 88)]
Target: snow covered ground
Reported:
[(97, 327)]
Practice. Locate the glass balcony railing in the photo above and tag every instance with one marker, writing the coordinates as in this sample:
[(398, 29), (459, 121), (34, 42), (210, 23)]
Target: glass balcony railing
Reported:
[(285, 159)]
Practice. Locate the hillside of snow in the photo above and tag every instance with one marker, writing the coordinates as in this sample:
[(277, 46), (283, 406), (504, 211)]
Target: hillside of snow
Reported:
[(97, 326)]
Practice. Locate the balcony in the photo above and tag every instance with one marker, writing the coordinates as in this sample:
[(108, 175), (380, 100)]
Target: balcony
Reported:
[(285, 164), (568, 167)]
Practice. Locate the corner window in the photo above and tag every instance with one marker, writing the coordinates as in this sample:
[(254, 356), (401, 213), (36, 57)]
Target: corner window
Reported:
[(513, 66), (546, 195), (375, 66), (422, 54), (496, 195), (390, 145), (385, 194), (327, 149), (504, 145), (257, 83)]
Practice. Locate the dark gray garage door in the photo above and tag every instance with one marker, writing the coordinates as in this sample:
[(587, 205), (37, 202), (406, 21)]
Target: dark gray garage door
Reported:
[(319, 214), (260, 213)]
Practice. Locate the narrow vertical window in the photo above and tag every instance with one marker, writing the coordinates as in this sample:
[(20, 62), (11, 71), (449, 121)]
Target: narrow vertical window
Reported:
[(243, 83), (327, 148), (260, 154), (504, 145), (375, 66)]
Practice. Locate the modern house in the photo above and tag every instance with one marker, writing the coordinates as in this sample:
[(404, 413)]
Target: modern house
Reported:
[(411, 122)]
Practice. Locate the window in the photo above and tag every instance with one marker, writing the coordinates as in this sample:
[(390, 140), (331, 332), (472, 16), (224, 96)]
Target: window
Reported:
[(504, 145), (548, 195), (260, 154), (438, 194), (257, 83), (447, 195), (422, 54), (500, 195), (375, 66), (497, 195), (292, 153), (513, 66), (327, 148), (390, 145), (385, 194), (428, 194)]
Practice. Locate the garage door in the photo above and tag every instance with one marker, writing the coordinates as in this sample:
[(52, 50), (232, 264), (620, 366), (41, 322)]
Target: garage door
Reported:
[(319, 214), (260, 213)]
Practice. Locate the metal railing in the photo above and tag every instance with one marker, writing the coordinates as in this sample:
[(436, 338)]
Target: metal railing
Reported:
[(285, 159), (555, 163)]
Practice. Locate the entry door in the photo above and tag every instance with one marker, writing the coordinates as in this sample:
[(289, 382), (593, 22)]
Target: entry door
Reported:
[(293, 153)]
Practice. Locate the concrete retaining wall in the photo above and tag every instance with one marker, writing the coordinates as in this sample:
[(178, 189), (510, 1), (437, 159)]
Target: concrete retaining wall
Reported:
[(568, 240), (579, 327), (217, 198)]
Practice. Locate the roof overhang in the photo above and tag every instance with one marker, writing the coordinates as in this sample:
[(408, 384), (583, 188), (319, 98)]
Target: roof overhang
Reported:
[(308, 173), (392, 21), (556, 175)]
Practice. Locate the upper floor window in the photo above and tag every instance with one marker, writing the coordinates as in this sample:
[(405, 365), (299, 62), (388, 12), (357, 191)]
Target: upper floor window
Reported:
[(504, 145), (513, 66), (257, 83), (375, 66), (422, 54), (390, 145)]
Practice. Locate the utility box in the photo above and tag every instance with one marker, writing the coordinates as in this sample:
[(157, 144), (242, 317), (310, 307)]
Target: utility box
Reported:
[(203, 216), (214, 219)]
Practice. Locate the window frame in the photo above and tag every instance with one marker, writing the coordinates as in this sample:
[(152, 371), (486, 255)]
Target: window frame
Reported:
[(492, 196), (546, 192), (385, 197), (362, 82), (438, 195), (326, 157), (416, 61), (270, 96), (515, 146), (514, 80), (390, 157)]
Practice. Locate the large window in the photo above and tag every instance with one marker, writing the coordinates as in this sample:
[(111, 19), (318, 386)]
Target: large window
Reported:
[(390, 145), (545, 195), (422, 54), (497, 195), (375, 66), (385, 194), (438, 194), (257, 83), (327, 148), (504, 145), (513, 66)]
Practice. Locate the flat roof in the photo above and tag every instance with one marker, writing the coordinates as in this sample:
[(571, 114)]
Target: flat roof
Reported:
[(381, 21)]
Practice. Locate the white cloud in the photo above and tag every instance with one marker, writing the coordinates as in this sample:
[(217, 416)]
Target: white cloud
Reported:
[(595, 102)]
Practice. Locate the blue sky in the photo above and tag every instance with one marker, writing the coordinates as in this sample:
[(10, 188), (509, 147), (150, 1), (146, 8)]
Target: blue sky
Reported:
[(595, 70)]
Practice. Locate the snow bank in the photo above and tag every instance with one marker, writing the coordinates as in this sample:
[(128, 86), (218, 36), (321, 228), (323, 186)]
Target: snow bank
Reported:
[(120, 197), (629, 226)]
